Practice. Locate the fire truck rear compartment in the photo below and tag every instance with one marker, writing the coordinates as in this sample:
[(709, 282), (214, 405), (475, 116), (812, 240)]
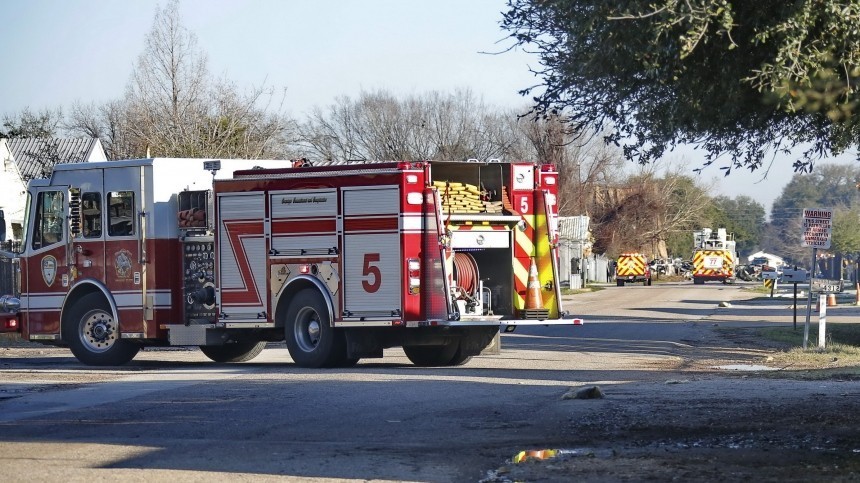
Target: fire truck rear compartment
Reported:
[(488, 267)]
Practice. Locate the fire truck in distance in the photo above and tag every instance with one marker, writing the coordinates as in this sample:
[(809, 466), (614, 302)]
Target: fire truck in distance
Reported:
[(714, 256), (340, 261), (632, 268)]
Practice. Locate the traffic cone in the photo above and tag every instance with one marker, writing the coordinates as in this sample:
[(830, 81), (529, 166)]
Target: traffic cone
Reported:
[(534, 299)]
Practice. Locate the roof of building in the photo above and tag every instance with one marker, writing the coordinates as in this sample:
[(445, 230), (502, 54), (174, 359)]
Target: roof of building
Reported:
[(34, 156), (573, 228)]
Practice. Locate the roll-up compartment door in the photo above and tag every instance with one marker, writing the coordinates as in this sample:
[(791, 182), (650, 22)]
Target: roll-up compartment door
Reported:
[(371, 252), (241, 255)]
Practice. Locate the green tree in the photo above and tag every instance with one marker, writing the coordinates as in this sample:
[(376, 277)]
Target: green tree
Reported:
[(737, 78), (741, 216), (829, 186), (846, 235)]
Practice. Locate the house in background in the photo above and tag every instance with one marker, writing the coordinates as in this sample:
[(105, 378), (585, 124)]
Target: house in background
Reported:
[(24, 159), (769, 259)]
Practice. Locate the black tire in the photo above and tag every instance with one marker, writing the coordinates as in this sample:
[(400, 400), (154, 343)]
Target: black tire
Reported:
[(93, 335), (459, 358), (242, 351), (648, 282), (311, 339), (619, 282), (698, 281), (434, 355)]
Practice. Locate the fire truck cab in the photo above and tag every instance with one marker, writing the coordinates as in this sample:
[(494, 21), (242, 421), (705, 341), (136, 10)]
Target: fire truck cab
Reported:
[(340, 261)]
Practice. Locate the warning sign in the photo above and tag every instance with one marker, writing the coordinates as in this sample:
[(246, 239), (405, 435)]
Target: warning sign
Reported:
[(817, 227)]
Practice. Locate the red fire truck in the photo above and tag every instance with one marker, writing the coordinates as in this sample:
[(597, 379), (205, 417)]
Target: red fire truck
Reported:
[(340, 261)]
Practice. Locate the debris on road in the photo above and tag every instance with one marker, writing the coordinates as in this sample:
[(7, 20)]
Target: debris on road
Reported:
[(590, 392)]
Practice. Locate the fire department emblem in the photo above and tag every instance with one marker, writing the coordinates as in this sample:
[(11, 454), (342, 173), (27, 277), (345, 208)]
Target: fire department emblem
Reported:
[(123, 263), (49, 270)]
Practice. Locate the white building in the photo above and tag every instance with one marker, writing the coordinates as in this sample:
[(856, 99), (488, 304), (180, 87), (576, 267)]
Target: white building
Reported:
[(772, 260), (24, 159), (573, 247)]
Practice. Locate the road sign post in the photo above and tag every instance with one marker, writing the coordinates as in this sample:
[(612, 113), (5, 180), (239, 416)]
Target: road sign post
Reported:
[(817, 232), (794, 277)]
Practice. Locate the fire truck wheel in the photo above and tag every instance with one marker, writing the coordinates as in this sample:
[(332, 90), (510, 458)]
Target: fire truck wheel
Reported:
[(311, 339), (239, 352), (619, 282), (698, 281), (93, 334), (433, 355), (459, 358), (648, 282)]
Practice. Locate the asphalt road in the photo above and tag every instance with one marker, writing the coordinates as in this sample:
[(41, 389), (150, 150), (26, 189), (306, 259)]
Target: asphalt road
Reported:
[(173, 415)]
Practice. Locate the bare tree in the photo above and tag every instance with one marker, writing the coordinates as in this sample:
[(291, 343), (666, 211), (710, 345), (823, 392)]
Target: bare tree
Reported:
[(29, 124), (109, 123), (585, 164), (172, 107), (377, 125), (641, 213), (167, 92)]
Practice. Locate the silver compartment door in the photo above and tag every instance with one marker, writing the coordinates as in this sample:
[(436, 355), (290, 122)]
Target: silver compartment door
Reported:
[(371, 252), (241, 256)]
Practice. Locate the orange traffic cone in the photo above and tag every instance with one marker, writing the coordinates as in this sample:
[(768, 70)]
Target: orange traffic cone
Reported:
[(534, 300)]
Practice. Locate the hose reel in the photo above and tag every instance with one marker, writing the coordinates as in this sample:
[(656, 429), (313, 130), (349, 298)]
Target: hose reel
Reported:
[(466, 275)]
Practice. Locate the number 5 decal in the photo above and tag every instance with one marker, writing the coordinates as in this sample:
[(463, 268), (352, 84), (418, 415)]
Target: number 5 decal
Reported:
[(371, 270), (524, 204)]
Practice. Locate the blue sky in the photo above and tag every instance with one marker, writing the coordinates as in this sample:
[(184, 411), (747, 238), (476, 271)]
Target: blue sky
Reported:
[(62, 51), (85, 50)]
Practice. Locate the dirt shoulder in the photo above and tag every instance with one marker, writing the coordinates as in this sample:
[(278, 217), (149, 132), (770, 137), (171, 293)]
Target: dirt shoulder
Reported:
[(735, 408)]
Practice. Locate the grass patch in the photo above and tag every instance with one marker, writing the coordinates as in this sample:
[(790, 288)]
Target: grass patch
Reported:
[(841, 356), (757, 289), (837, 334), (670, 278), (575, 291)]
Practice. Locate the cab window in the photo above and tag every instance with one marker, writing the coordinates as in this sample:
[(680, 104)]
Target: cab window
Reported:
[(48, 223), (121, 213), (91, 214)]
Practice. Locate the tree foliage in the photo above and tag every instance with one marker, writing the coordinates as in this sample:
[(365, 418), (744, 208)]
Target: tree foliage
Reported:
[(736, 78), (846, 237), (378, 125), (742, 216), (646, 212), (29, 124), (829, 186)]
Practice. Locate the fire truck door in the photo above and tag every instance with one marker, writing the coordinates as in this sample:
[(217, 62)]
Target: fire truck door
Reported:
[(124, 264), (45, 259), (371, 252), (88, 244)]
